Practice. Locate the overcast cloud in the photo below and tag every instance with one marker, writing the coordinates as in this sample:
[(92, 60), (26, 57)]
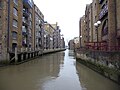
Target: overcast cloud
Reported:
[(66, 12)]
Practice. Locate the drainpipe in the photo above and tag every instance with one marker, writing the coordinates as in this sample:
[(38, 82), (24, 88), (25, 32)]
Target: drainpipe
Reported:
[(8, 26)]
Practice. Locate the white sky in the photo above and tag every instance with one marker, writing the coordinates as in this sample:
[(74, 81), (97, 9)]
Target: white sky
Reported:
[(66, 12)]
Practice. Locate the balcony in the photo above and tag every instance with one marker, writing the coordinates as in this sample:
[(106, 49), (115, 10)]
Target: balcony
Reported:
[(103, 12), (24, 30), (25, 34), (25, 22), (100, 1), (26, 13), (28, 3)]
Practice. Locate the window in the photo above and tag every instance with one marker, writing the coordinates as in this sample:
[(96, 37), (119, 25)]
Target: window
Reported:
[(0, 36), (103, 6), (0, 4), (30, 23), (15, 11), (14, 35), (0, 47), (15, 1), (95, 5), (105, 28), (30, 15), (14, 45), (118, 41), (15, 23), (0, 23)]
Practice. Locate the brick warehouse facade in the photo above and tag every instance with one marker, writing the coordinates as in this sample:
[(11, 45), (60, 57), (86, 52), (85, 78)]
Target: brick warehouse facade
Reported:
[(21, 29), (106, 11), (3, 28), (104, 50)]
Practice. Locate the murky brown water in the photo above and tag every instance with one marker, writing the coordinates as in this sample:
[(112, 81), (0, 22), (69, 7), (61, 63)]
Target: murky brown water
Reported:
[(58, 71)]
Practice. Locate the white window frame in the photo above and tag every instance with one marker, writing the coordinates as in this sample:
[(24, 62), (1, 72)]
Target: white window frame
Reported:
[(15, 1), (15, 11), (15, 25)]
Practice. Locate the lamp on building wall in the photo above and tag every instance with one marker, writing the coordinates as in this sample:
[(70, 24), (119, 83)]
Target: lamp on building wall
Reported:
[(96, 26)]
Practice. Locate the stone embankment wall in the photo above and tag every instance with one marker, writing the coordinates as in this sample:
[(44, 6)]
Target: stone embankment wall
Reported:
[(27, 56), (105, 63)]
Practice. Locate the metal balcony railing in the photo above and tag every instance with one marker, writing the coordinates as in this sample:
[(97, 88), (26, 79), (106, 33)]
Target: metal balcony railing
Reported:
[(100, 1), (26, 13), (102, 47)]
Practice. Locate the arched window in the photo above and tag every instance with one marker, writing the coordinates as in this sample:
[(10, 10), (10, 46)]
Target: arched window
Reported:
[(14, 35), (105, 28)]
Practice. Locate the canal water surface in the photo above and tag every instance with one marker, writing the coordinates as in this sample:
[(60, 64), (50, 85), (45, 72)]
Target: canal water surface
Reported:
[(58, 71)]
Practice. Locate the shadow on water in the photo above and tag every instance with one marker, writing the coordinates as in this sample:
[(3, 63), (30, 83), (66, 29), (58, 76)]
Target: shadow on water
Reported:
[(94, 81)]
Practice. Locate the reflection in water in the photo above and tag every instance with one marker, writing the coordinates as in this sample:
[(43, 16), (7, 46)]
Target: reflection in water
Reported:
[(31, 75), (68, 79), (53, 72)]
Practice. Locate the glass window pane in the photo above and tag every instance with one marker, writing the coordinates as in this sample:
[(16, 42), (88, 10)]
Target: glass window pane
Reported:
[(15, 1), (0, 4), (0, 22), (15, 23), (14, 35), (15, 11)]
